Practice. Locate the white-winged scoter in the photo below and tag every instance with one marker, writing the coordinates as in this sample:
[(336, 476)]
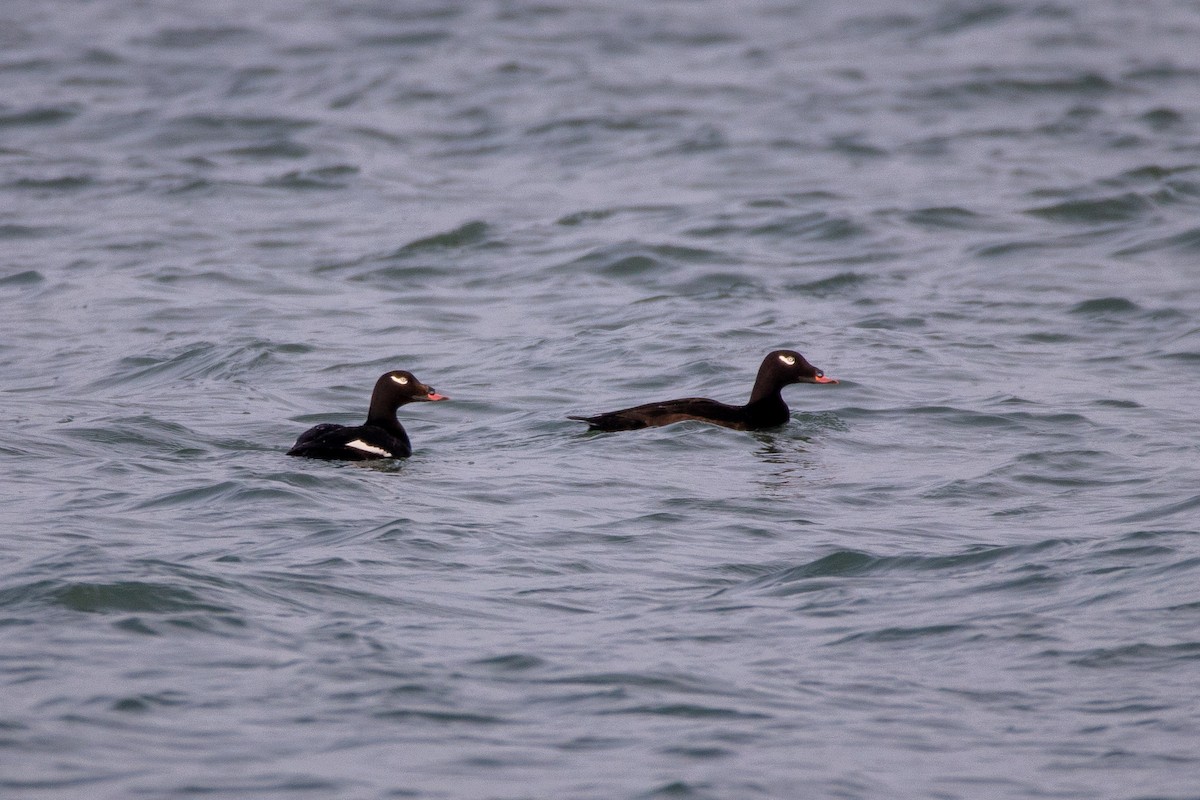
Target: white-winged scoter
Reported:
[(765, 408), (381, 436)]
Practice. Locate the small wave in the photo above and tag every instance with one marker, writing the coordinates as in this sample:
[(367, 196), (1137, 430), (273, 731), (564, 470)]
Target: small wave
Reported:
[(817, 226), (579, 129), (12, 231), (634, 259), (276, 149), (513, 662), (660, 681), (196, 360), (903, 634), (231, 124), (145, 701), (688, 711), (227, 493), (1163, 511), (62, 183), (465, 235), (225, 131), (1105, 306), (948, 218), (1162, 119), (603, 214), (120, 596), (29, 277), (1186, 242), (323, 178), (1038, 422), (1065, 468), (953, 19), (837, 284), (193, 38), (993, 85), (440, 717), (1154, 173), (854, 563), (1023, 247), (45, 115), (970, 491), (890, 322), (408, 39), (1178, 192), (856, 149), (1181, 357), (1143, 655), (1117, 403), (1127, 207), (141, 431)]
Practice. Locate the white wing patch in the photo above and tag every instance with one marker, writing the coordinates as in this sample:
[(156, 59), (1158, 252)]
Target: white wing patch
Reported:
[(400, 379), (359, 444), (789, 360)]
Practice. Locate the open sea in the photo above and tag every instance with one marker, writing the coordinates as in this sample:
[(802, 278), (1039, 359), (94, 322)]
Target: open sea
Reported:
[(969, 570)]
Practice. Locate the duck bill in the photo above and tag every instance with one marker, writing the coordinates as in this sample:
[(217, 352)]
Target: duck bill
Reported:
[(434, 396), (823, 379)]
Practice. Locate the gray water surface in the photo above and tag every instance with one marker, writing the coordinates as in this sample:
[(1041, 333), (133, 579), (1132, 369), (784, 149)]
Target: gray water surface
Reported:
[(968, 570)]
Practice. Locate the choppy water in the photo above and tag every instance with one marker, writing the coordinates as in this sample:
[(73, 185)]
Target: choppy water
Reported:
[(969, 570)]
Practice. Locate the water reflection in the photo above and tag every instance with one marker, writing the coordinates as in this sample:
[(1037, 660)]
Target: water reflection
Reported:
[(794, 461)]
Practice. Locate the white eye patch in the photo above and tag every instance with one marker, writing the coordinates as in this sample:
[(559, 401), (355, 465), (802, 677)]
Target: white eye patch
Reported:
[(789, 360), (400, 379)]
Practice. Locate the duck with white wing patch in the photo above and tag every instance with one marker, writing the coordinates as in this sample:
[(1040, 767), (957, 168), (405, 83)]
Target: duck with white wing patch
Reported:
[(381, 436)]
